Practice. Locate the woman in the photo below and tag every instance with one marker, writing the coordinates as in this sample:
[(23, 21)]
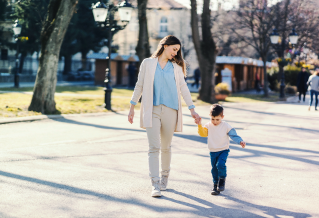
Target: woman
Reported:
[(314, 88), (161, 81), (302, 86)]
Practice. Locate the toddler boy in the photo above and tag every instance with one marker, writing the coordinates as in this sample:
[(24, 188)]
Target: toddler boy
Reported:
[(218, 132)]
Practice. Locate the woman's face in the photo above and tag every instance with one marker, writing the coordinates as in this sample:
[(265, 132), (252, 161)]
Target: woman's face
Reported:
[(170, 51)]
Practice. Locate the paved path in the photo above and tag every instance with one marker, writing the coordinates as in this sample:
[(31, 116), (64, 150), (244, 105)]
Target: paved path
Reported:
[(96, 166)]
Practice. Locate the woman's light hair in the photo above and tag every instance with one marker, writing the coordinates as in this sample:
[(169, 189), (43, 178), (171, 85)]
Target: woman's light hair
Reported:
[(171, 40)]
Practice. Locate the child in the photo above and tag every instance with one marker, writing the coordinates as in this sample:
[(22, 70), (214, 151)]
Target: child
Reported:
[(217, 132)]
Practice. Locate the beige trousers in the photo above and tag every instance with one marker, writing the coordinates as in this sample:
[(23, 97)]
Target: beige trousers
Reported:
[(159, 138)]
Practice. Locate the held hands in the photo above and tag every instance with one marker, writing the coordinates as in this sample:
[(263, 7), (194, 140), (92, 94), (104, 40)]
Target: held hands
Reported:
[(195, 116), (243, 144), (198, 121)]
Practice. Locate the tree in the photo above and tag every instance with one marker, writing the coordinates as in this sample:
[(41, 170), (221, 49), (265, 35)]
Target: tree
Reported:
[(82, 35), (206, 50), (58, 18), (31, 15), (255, 21), (143, 46), (3, 9)]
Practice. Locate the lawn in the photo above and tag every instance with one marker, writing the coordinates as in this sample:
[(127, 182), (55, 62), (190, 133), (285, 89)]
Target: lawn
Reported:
[(89, 100)]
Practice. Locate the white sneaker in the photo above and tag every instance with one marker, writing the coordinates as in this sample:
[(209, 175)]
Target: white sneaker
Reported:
[(164, 181), (156, 191)]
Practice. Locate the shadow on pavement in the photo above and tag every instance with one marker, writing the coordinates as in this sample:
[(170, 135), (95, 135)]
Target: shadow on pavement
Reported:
[(229, 212), (64, 120), (203, 211), (258, 153), (275, 212)]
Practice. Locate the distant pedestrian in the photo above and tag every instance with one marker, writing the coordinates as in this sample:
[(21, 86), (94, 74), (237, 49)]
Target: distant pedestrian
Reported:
[(217, 132), (314, 88), (257, 84), (302, 83), (161, 81), (132, 74), (196, 78)]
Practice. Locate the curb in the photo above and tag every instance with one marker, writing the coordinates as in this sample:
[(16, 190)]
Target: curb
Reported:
[(52, 117)]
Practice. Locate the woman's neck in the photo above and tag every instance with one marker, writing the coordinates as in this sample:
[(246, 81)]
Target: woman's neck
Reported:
[(162, 59)]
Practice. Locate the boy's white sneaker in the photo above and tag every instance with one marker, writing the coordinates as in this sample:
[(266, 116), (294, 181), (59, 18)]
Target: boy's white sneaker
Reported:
[(156, 190), (164, 181)]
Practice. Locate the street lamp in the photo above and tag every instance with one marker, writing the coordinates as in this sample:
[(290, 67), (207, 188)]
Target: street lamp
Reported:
[(104, 17), (17, 31), (274, 38)]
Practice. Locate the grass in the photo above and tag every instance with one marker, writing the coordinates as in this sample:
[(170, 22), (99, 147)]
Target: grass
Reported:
[(250, 98), (16, 104)]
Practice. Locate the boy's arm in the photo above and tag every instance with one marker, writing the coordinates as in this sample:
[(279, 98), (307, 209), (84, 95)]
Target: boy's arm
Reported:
[(233, 135), (202, 131)]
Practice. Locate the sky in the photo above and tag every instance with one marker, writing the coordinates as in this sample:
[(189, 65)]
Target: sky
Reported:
[(226, 4)]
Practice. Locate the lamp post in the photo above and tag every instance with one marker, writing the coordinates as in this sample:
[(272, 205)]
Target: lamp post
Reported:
[(17, 31), (274, 38), (104, 17)]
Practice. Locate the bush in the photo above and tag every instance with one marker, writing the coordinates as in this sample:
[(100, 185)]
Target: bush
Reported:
[(222, 88), (291, 90), (291, 77)]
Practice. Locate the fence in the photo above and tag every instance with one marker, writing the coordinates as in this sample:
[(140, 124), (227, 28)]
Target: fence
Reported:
[(30, 68)]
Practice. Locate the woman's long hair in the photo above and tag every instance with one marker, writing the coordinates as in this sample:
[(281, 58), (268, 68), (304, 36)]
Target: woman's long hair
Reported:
[(171, 40)]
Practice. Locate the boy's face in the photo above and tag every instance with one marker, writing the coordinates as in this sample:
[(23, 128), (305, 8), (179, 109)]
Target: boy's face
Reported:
[(216, 120)]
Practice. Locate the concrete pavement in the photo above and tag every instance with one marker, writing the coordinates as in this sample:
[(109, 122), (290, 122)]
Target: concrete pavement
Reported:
[(96, 166)]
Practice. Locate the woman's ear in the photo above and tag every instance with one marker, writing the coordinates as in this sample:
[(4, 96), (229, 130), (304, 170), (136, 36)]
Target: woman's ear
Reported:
[(165, 46)]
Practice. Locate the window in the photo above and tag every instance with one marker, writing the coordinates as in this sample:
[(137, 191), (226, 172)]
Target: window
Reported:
[(132, 49), (163, 25)]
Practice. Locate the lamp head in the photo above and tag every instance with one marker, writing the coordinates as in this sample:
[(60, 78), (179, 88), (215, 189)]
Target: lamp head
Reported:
[(100, 11)]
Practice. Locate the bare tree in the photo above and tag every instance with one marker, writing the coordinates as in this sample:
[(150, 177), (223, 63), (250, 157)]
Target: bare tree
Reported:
[(255, 21), (206, 50), (143, 46), (52, 34)]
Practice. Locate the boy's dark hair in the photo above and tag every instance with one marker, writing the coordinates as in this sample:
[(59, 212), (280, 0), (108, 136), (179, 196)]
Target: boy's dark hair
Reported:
[(216, 110)]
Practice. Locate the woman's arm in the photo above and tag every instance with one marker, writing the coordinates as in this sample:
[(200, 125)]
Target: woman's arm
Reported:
[(137, 91), (139, 84), (187, 96)]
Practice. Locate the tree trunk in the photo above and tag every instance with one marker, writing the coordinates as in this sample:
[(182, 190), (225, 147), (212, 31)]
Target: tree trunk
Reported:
[(83, 60), (143, 46), (67, 64), (52, 34), (205, 50), (266, 94)]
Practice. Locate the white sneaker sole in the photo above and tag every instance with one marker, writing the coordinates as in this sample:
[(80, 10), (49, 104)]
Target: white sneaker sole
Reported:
[(163, 189), (156, 194)]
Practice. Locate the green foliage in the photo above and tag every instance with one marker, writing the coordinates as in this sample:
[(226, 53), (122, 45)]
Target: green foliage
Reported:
[(291, 77), (3, 7), (82, 34), (31, 15)]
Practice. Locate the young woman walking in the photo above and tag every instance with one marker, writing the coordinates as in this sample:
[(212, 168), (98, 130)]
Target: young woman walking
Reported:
[(314, 88), (161, 83)]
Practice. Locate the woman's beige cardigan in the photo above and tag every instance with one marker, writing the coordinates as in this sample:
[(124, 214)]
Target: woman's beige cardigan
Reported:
[(145, 84)]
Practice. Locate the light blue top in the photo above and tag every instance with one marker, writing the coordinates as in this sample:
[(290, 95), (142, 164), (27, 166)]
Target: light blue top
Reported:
[(165, 91)]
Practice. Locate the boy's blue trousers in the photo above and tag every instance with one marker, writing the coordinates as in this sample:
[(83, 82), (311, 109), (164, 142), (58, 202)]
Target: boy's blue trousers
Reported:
[(218, 161)]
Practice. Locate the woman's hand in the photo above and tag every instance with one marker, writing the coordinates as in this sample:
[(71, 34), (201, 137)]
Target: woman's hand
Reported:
[(195, 116), (131, 114)]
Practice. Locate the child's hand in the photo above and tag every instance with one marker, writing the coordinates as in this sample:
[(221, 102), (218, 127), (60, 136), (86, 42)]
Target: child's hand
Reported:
[(243, 144)]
